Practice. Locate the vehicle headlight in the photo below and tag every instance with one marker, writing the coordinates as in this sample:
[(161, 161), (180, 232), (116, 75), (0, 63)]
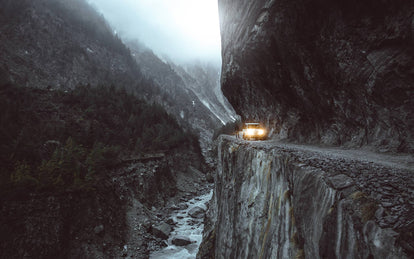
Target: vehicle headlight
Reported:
[(250, 132), (261, 132)]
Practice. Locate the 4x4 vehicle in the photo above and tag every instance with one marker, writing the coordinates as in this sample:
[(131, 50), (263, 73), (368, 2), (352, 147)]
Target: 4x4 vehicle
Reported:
[(254, 131)]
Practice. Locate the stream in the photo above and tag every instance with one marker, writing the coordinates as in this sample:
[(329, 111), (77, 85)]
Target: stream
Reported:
[(187, 227)]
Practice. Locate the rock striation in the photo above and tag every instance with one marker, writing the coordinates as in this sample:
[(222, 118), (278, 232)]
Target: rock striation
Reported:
[(333, 72), (285, 201)]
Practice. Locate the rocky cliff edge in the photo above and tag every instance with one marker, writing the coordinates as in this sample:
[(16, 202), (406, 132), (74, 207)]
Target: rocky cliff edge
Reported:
[(284, 201)]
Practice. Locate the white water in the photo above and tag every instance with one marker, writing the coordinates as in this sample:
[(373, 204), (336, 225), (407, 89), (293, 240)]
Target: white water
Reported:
[(188, 227)]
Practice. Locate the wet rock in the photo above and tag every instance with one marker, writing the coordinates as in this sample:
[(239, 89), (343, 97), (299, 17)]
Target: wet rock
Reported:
[(183, 206), (341, 181), (311, 199), (174, 207), (146, 224), (171, 221), (197, 212), (391, 219), (193, 222), (380, 241), (387, 204), (379, 213), (210, 178), (182, 241), (125, 251), (161, 230)]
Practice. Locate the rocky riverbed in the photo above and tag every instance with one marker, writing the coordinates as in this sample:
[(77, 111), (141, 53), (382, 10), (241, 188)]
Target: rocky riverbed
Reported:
[(153, 220), (123, 218), (187, 224)]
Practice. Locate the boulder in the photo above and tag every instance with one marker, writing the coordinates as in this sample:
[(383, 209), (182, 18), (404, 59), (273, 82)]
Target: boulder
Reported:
[(341, 181), (197, 212), (161, 230), (125, 251), (182, 241), (171, 222), (182, 206)]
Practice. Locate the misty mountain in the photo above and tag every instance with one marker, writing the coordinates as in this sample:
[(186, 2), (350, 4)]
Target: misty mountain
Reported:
[(86, 147), (204, 80), (192, 92), (63, 44)]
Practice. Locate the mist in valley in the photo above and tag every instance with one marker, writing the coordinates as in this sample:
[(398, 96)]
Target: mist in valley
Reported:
[(183, 30)]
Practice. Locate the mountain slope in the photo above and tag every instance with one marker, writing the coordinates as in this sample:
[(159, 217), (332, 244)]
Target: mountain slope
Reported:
[(192, 96), (204, 81), (56, 43), (72, 164), (63, 44)]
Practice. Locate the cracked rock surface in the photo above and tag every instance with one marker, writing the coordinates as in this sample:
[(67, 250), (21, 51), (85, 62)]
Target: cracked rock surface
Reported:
[(280, 200)]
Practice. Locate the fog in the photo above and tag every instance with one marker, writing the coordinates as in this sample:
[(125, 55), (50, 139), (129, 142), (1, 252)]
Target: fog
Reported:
[(183, 30)]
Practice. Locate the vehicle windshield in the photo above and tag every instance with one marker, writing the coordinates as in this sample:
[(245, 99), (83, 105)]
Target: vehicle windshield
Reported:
[(253, 126)]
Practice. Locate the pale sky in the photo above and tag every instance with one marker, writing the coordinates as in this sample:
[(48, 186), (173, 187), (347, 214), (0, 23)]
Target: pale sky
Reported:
[(184, 30)]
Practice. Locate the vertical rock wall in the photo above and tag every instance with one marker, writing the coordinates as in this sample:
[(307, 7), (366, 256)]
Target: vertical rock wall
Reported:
[(254, 206), (336, 72), (271, 202)]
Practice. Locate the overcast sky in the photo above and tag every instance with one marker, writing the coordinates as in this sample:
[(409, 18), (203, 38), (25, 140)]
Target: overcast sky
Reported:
[(184, 30)]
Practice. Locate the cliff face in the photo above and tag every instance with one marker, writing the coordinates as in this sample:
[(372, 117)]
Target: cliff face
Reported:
[(335, 72), (283, 201), (332, 72)]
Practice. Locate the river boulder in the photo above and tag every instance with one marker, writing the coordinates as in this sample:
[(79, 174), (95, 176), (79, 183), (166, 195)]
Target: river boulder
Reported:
[(161, 230), (182, 241), (197, 212)]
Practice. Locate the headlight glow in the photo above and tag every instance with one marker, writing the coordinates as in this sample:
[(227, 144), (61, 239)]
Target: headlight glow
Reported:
[(250, 132), (260, 132)]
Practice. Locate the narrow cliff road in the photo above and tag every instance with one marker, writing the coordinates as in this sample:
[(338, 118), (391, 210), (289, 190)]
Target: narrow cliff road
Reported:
[(277, 200), (386, 178), (402, 161)]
